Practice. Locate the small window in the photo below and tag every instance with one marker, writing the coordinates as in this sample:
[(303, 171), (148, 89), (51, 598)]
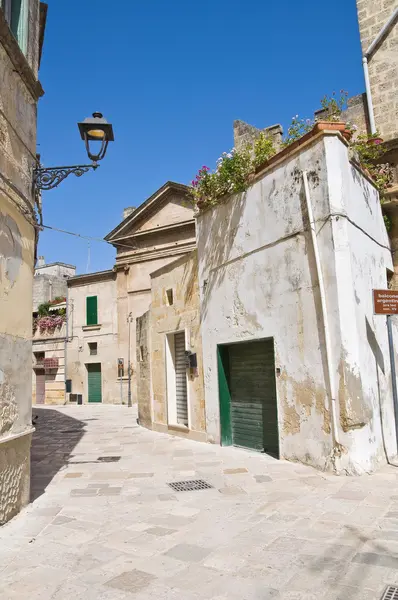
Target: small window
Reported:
[(93, 346), (141, 353), (169, 297), (91, 310), (15, 12)]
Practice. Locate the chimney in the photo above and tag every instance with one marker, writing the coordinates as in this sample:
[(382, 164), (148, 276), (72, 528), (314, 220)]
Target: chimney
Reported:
[(245, 134), (127, 211), (40, 261)]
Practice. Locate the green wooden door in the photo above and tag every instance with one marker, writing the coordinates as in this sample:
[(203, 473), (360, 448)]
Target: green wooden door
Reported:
[(252, 396), (94, 382)]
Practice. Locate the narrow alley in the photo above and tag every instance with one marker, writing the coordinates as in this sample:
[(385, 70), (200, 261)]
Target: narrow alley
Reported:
[(105, 524)]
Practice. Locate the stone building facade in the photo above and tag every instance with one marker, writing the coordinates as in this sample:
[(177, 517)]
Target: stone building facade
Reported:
[(383, 63), (296, 364), (92, 348), (170, 385), (50, 281), (21, 34), (160, 230), (48, 347)]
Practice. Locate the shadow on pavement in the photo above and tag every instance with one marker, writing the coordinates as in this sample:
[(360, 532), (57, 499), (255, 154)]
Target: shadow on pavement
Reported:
[(53, 443)]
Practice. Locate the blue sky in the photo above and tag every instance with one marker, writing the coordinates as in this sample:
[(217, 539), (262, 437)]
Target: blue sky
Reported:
[(171, 77)]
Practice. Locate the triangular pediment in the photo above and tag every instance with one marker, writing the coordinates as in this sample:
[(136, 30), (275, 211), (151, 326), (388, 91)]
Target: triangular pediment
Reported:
[(167, 207)]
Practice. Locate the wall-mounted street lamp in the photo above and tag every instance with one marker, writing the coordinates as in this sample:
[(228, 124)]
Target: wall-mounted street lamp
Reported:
[(93, 130)]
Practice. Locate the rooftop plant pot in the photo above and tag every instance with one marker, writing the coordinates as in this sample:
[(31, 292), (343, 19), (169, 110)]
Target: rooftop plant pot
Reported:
[(376, 141), (330, 126)]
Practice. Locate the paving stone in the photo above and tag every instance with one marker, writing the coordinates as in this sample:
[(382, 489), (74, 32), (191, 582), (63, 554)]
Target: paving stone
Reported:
[(167, 497), (231, 490), (131, 581), (287, 529), (235, 471), (188, 552), (109, 491), (378, 560), (73, 475), (110, 475), (160, 531), (98, 485), (83, 492), (48, 512), (61, 520)]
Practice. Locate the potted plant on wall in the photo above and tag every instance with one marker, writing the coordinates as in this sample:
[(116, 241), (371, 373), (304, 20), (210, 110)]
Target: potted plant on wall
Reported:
[(332, 108)]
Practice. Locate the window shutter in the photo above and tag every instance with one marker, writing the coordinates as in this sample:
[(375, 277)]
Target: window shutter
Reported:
[(91, 310), (19, 22)]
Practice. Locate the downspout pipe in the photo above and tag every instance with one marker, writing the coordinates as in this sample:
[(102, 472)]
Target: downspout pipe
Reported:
[(325, 320), (366, 57)]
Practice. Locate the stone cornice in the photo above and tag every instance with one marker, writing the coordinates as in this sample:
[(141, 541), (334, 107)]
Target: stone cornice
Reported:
[(130, 259), (91, 278)]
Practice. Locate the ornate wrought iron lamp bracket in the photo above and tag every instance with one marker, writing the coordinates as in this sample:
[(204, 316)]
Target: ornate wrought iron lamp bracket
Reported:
[(51, 177)]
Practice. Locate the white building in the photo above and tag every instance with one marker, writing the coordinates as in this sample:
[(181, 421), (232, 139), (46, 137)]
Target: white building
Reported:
[(295, 362)]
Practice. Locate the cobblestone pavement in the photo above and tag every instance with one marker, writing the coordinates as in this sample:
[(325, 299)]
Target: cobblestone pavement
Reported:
[(107, 528)]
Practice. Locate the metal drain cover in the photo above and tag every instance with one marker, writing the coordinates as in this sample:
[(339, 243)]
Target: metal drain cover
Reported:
[(390, 593), (109, 458), (190, 486)]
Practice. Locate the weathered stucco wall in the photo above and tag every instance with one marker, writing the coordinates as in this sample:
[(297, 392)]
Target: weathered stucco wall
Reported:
[(104, 334), (258, 280), (362, 257), (18, 102), (181, 277)]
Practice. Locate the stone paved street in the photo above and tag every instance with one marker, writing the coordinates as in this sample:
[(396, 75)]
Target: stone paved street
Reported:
[(113, 529)]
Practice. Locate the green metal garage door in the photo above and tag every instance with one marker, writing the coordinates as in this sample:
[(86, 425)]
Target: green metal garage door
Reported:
[(94, 382), (248, 396)]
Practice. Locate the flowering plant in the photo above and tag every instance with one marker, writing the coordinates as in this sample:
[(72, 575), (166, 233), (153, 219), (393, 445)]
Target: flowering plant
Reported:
[(232, 173), (369, 155), (48, 323), (297, 128), (334, 105)]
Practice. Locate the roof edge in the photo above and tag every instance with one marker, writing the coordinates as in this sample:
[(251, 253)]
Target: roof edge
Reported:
[(91, 277), (166, 188)]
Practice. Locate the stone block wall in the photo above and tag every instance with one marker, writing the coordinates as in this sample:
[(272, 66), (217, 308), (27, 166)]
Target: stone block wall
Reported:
[(247, 134), (14, 476), (383, 65), (143, 371)]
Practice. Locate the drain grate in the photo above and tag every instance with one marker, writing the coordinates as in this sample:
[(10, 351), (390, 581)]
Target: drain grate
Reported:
[(109, 458), (190, 486), (390, 593)]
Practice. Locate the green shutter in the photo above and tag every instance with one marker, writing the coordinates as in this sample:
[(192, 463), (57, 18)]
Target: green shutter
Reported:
[(91, 310), (94, 382), (247, 389), (224, 394), (19, 23)]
